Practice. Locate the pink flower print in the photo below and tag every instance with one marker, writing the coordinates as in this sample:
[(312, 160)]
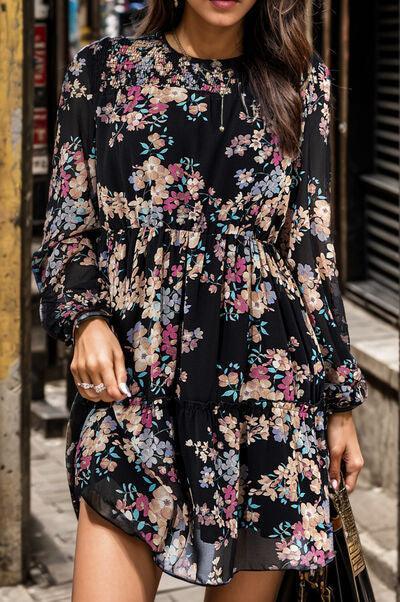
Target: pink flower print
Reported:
[(65, 184), (230, 497), (176, 270), (184, 196), (312, 320), (240, 305), (298, 530), (275, 139), (170, 333), (78, 156), (172, 475), (134, 95), (127, 65), (142, 504), (172, 202), (176, 171), (136, 401), (277, 158), (159, 107), (155, 370), (236, 274), (230, 276), (286, 386), (303, 412), (307, 472), (260, 372), (343, 372), (64, 174), (314, 556), (147, 417), (241, 266), (230, 509), (169, 337), (229, 493), (149, 538), (85, 462)]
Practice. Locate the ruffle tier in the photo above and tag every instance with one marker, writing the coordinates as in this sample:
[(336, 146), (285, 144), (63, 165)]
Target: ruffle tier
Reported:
[(213, 488)]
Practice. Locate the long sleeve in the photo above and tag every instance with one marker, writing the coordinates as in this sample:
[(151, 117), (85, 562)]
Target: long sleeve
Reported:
[(306, 242), (66, 266)]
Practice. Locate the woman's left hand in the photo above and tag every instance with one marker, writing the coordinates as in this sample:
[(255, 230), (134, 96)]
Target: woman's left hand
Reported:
[(344, 447)]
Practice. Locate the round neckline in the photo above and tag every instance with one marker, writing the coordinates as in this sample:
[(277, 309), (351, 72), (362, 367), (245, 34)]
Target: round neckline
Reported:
[(232, 60)]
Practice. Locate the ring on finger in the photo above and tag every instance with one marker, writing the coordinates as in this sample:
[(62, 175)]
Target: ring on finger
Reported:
[(85, 385), (100, 388)]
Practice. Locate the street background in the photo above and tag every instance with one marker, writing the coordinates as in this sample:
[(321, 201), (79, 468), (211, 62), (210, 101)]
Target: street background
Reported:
[(38, 38)]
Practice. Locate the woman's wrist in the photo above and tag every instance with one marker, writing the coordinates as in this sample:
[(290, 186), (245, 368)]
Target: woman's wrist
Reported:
[(85, 317), (342, 417)]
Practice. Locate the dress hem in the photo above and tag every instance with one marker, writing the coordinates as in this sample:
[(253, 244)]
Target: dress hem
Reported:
[(170, 573)]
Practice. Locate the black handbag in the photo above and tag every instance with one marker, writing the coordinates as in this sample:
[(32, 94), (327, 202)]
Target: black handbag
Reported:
[(344, 579)]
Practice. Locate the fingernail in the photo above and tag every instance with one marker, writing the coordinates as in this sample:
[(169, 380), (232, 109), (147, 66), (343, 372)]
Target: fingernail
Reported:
[(347, 487), (334, 483), (123, 387)]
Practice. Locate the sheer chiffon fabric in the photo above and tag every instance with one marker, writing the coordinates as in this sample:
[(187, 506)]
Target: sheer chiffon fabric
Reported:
[(210, 253)]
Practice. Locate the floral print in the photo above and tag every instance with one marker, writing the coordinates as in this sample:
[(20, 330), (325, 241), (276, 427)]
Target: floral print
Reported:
[(211, 256)]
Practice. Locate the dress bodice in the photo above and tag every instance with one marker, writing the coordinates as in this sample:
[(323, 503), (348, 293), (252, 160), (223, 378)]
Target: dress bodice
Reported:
[(158, 219), (166, 162)]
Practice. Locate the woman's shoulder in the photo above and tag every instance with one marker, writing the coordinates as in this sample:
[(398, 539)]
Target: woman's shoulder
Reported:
[(117, 52), (316, 72), (316, 82), (114, 44)]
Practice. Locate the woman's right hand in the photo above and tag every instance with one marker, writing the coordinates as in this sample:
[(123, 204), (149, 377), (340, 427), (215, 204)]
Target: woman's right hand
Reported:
[(98, 358)]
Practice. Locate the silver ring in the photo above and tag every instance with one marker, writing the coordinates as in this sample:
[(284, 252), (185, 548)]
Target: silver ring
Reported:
[(100, 388), (85, 385)]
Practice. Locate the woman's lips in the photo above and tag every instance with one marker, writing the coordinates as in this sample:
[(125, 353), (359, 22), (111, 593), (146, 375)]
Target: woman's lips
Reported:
[(224, 4)]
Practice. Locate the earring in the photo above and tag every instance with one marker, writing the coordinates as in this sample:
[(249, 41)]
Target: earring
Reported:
[(176, 3)]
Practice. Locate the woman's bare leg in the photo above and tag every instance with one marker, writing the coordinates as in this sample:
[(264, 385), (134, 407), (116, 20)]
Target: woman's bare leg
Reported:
[(254, 586), (111, 565)]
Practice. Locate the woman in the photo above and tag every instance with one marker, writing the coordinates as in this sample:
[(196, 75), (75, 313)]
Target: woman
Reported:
[(188, 257)]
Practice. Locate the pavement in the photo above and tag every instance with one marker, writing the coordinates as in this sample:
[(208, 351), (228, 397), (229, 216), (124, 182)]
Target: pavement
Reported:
[(375, 512), (54, 524)]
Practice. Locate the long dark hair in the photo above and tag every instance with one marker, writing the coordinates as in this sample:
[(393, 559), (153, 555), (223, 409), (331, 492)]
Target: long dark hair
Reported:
[(276, 54)]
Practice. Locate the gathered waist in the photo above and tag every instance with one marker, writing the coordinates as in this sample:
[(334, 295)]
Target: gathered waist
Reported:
[(184, 235), (210, 246)]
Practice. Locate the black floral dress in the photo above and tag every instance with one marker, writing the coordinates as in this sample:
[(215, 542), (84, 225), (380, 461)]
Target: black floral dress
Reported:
[(210, 254)]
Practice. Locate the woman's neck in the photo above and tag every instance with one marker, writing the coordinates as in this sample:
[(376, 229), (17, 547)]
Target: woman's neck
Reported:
[(204, 40)]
